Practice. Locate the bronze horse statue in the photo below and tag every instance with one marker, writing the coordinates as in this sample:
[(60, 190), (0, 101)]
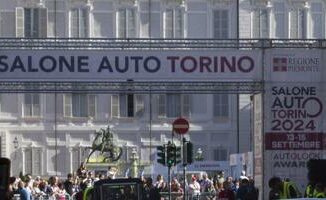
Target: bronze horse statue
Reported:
[(103, 142)]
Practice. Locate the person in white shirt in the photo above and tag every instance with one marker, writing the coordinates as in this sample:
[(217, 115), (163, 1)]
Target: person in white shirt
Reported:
[(194, 187)]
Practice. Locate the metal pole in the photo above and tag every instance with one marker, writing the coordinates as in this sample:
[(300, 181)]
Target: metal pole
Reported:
[(55, 131), (250, 124), (169, 181), (184, 181), (149, 19), (55, 98), (238, 123), (238, 23), (150, 125), (184, 167)]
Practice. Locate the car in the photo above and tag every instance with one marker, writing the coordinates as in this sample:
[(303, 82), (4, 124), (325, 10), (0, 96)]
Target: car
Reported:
[(118, 189)]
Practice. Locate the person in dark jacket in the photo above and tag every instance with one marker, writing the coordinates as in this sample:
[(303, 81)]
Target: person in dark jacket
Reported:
[(69, 185)]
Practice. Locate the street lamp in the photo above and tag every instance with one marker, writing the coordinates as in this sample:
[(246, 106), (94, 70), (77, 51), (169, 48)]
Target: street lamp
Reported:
[(199, 155), (16, 145), (134, 163)]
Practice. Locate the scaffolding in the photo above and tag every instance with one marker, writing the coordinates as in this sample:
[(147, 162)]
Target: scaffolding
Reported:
[(219, 86)]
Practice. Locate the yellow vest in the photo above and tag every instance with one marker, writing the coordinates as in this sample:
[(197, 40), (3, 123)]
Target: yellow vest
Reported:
[(285, 193), (310, 191), (320, 195), (85, 193)]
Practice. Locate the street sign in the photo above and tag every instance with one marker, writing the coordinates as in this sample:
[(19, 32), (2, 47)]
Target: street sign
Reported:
[(180, 126)]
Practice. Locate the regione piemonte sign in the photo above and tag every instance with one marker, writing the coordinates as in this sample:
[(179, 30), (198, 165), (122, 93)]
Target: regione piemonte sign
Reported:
[(109, 65), (294, 112)]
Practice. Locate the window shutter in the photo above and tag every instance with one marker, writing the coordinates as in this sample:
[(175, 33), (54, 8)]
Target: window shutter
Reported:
[(302, 23), (264, 24), (122, 23), (67, 105), (179, 23), (28, 22), (114, 105), (98, 24), (221, 105), (216, 22), (316, 25), (216, 103), (7, 17), (74, 22), (82, 107), (279, 25), (123, 105), (131, 25), (220, 154), (139, 105), (186, 104), (168, 23), (279, 15), (86, 22), (75, 158), (28, 161), (92, 105), (42, 23), (36, 104), (161, 105), (220, 23), (317, 20), (256, 24), (298, 23), (173, 105), (294, 24), (225, 24), (225, 105), (37, 158), (20, 22), (27, 105)]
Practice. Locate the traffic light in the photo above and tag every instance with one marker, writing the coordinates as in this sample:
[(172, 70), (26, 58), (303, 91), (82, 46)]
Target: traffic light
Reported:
[(170, 155), (188, 155), (177, 155), (161, 155)]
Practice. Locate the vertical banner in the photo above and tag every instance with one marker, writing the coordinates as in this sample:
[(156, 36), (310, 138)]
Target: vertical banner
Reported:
[(294, 110)]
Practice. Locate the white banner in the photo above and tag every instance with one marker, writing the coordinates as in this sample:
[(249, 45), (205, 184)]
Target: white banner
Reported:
[(109, 65), (293, 65), (294, 113)]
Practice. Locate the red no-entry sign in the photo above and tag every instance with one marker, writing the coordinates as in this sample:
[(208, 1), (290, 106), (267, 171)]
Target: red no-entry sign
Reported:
[(180, 126)]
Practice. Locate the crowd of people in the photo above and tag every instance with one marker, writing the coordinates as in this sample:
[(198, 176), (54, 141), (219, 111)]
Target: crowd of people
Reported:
[(206, 188), (74, 187)]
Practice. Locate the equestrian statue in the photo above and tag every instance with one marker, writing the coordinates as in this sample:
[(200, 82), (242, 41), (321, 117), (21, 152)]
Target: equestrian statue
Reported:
[(103, 142)]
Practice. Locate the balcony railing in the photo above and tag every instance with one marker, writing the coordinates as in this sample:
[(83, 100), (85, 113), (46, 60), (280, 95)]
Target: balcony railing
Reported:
[(145, 43)]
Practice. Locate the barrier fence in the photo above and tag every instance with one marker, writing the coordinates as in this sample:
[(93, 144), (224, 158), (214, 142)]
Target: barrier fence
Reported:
[(189, 196), (164, 196), (46, 197)]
